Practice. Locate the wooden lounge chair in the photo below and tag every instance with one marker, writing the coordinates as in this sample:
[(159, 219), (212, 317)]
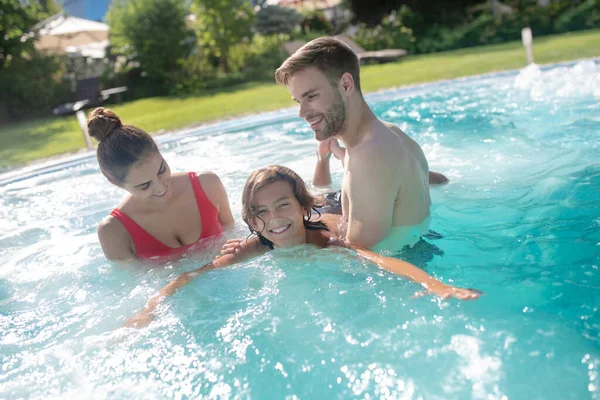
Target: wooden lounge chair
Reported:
[(379, 56), (87, 95), (291, 47)]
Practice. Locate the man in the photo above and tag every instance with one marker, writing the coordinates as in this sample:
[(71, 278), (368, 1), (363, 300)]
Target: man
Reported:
[(386, 175)]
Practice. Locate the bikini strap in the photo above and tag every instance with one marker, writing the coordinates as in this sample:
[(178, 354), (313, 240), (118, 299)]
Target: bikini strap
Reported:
[(208, 212), (201, 198), (141, 238), (132, 227)]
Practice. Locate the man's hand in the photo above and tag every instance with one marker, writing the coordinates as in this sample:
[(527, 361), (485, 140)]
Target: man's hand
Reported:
[(322, 175), (338, 151), (324, 149)]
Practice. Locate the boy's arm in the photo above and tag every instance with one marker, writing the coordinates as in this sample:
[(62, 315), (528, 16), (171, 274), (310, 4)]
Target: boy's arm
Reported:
[(411, 272), (416, 274), (246, 250)]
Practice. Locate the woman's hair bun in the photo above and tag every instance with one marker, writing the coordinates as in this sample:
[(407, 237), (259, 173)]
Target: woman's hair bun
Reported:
[(102, 122)]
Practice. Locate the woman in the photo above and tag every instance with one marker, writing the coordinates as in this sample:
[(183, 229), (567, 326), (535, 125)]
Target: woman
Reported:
[(277, 207), (165, 215)]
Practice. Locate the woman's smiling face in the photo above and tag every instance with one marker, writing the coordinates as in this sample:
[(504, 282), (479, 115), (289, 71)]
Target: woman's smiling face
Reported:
[(150, 179), (279, 217)]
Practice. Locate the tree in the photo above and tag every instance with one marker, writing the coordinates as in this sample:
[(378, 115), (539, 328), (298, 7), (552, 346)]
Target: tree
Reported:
[(16, 19), (220, 24), (30, 82), (274, 19), (152, 33), (431, 11)]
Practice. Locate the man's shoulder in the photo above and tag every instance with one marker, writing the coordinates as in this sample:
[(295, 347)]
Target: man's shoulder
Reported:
[(380, 145), (395, 128)]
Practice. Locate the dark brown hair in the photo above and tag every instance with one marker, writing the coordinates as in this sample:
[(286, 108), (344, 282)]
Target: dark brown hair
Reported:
[(277, 173), (119, 146), (331, 56)]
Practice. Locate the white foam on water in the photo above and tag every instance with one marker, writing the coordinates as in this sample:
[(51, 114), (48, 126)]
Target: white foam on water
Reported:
[(559, 83)]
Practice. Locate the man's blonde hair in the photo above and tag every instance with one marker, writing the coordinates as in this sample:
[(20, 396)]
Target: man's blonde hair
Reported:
[(330, 56)]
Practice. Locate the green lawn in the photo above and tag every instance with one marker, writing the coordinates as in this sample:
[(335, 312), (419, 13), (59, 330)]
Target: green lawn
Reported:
[(25, 142)]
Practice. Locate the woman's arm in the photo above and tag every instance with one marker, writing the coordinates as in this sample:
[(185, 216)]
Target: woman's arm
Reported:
[(115, 240), (248, 249)]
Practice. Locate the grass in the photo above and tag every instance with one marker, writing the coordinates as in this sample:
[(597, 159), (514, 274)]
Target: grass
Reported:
[(29, 141)]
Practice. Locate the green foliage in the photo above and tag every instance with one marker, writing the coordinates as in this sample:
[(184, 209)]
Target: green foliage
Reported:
[(30, 83), (16, 18), (485, 28), (258, 58), (315, 22), (389, 34), (273, 19), (220, 24), (152, 34), (584, 16), (32, 86), (432, 12), (50, 7)]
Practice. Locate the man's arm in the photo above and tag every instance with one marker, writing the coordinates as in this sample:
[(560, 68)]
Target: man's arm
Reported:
[(372, 188), (322, 175), (435, 178)]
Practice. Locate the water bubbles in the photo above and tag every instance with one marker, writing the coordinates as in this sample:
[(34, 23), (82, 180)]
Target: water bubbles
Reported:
[(528, 76), (559, 83)]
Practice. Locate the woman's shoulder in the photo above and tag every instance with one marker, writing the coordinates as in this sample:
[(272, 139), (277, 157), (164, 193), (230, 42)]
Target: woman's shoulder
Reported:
[(111, 225), (209, 180), (115, 239)]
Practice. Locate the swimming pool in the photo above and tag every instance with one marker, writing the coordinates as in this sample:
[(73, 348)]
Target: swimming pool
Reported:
[(520, 220)]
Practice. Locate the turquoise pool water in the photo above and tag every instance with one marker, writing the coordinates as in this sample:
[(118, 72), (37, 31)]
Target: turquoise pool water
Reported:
[(520, 220)]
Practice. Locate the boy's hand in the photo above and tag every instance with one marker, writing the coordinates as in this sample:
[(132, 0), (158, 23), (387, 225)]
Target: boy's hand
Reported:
[(231, 246), (446, 291)]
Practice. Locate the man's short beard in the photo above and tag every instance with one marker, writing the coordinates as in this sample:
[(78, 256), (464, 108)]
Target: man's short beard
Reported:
[(334, 118)]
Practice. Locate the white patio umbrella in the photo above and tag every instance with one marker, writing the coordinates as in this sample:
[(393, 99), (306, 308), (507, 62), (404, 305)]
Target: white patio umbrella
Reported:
[(61, 31), (90, 50)]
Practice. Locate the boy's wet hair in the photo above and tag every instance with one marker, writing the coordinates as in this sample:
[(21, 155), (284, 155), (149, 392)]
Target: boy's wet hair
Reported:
[(277, 173)]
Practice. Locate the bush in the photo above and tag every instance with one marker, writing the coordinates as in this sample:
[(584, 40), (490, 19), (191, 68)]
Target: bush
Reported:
[(154, 35), (259, 58), (220, 25), (488, 29), (389, 34), (273, 19), (251, 60), (32, 86), (315, 22), (584, 16)]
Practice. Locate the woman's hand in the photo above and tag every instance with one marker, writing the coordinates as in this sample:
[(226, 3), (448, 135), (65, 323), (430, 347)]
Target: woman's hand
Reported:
[(446, 292)]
